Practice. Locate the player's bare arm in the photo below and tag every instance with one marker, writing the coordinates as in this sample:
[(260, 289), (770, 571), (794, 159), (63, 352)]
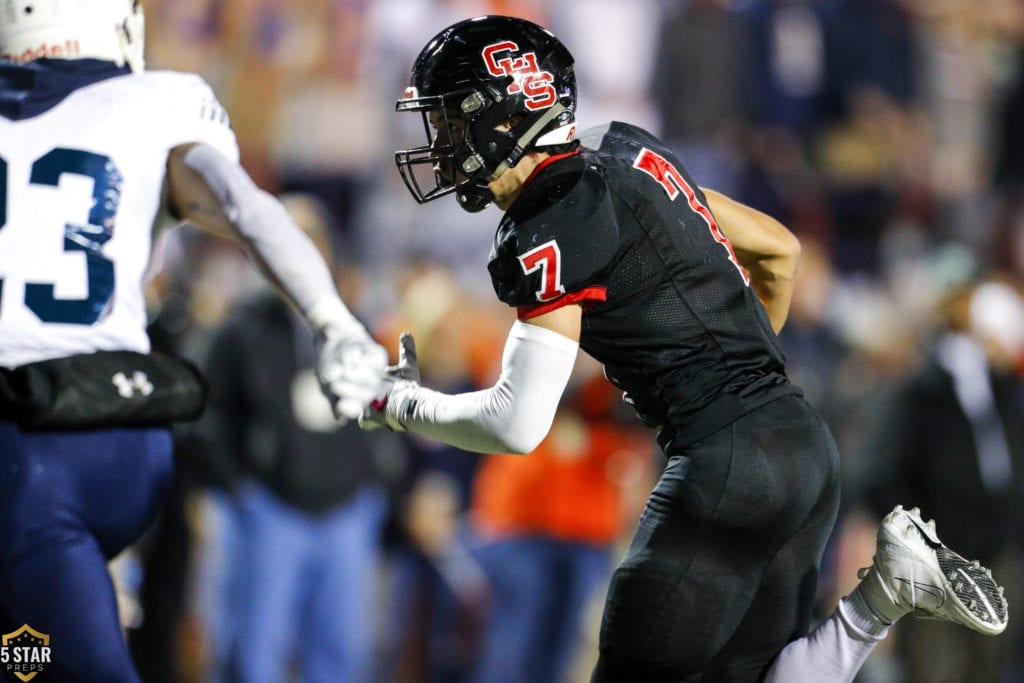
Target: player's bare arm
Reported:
[(765, 247)]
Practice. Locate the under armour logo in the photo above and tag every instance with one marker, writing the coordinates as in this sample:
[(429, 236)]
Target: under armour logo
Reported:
[(137, 383)]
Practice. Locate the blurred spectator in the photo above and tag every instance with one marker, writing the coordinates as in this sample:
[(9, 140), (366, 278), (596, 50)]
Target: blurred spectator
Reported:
[(811, 340), (869, 134), (436, 589), (1009, 169), (788, 77), (773, 55), (545, 527), (964, 46), (872, 47), (303, 500), (702, 72), (951, 441), (613, 72), (1008, 174)]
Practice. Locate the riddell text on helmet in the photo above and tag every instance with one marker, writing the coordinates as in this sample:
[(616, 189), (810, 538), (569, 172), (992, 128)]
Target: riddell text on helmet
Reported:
[(68, 48)]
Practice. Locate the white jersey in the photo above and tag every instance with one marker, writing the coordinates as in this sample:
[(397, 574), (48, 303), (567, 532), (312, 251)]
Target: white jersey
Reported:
[(81, 188)]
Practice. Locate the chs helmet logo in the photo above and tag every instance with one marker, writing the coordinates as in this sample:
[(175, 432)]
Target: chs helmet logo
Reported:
[(24, 653), (494, 88), (503, 59)]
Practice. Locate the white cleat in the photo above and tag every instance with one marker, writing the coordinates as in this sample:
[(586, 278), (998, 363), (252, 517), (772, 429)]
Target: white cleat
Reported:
[(913, 572)]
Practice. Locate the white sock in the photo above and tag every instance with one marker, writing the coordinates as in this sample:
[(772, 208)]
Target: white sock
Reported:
[(862, 616), (834, 651)]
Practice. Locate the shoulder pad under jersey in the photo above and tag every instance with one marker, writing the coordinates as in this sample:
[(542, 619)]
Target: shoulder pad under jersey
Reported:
[(190, 109), (557, 239), (618, 138)]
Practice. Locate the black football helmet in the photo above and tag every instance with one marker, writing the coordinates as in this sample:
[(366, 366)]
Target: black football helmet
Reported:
[(472, 78)]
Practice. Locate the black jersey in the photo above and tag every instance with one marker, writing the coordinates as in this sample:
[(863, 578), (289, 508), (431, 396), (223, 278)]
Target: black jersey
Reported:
[(621, 229)]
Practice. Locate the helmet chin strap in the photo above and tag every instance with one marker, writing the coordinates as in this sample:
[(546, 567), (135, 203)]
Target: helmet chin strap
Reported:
[(526, 139), (474, 198)]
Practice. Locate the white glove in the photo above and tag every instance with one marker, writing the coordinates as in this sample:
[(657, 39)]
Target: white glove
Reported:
[(350, 366), (400, 380)]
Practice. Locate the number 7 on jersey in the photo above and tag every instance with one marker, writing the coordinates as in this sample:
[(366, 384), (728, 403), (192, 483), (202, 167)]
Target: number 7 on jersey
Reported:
[(547, 258)]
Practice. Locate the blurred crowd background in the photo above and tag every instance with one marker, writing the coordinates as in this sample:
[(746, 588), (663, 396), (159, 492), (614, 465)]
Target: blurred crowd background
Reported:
[(887, 134)]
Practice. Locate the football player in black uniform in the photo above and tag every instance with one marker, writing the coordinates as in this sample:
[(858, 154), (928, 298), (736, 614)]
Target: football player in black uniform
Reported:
[(608, 245)]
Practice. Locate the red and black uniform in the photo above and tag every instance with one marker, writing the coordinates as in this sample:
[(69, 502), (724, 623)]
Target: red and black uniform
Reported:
[(736, 526)]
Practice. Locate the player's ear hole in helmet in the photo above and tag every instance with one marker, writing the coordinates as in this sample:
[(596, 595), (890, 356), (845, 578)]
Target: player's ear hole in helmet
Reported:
[(489, 90)]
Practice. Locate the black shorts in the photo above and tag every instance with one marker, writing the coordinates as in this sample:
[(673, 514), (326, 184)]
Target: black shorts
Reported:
[(722, 568)]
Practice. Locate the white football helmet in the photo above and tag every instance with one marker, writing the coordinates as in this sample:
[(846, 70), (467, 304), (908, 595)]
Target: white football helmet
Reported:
[(111, 30)]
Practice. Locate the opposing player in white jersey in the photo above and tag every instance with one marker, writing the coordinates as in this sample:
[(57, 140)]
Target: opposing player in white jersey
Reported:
[(96, 154)]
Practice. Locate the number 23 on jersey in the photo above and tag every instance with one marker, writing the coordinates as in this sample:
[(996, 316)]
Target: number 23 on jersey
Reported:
[(88, 237)]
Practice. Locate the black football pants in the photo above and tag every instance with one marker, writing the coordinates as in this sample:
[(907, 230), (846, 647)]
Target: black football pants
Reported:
[(721, 571)]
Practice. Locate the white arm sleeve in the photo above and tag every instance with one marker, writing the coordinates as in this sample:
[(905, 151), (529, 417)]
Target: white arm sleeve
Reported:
[(269, 235), (514, 415)]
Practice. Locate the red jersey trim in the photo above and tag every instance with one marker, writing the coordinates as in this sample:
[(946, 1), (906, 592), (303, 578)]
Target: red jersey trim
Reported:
[(547, 162), (590, 295)]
